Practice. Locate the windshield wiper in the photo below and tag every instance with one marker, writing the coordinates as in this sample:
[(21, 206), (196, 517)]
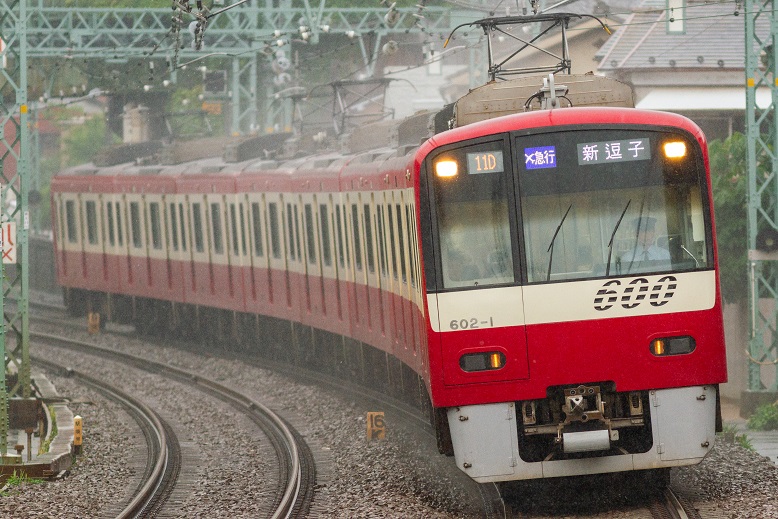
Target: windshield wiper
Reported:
[(551, 245), (613, 235)]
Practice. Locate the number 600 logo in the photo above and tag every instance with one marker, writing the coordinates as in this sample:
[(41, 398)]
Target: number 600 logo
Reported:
[(635, 292)]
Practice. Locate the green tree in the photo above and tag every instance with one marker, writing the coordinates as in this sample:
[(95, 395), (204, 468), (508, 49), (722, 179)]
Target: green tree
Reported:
[(83, 142), (728, 178)]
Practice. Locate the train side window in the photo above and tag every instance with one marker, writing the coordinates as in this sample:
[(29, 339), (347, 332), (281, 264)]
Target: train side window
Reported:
[(275, 235), (339, 225), (256, 222), (369, 239), (110, 223), (381, 239), (197, 222), (91, 222), (355, 234), (156, 233), (290, 231), (173, 227), (234, 230), (182, 220), (326, 250), (243, 246), (401, 242), (309, 234), (135, 225), (297, 233), (411, 242), (216, 223), (391, 241), (119, 227)]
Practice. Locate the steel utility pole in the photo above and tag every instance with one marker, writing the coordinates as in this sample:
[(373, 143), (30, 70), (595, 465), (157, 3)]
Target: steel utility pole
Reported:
[(761, 26), (14, 177)]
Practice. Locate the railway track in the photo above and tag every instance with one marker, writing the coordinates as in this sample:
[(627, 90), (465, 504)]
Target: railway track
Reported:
[(296, 467), (164, 451)]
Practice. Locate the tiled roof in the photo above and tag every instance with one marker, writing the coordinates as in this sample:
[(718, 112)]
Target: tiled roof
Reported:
[(714, 38)]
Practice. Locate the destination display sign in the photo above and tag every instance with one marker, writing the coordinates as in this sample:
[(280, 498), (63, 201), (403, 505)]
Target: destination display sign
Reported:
[(485, 162), (614, 151)]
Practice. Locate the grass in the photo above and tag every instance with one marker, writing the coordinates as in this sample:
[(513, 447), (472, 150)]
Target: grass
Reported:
[(765, 418), (730, 434), (46, 445)]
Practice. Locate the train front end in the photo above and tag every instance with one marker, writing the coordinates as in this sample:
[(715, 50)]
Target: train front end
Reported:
[(575, 320)]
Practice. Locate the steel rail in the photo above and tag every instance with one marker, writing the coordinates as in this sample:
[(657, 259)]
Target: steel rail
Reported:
[(152, 426), (287, 448)]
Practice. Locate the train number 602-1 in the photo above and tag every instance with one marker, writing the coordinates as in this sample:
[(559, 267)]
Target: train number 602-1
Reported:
[(469, 324)]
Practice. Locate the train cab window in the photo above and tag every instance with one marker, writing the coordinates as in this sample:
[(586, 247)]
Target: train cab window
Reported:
[(173, 227), (612, 203), (135, 225), (197, 223), (216, 224), (471, 189), (355, 234), (310, 238), (182, 220), (91, 222), (256, 224), (275, 232), (156, 232), (369, 239), (326, 249), (110, 223)]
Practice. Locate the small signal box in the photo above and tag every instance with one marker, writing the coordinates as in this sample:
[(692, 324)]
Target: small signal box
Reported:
[(376, 426)]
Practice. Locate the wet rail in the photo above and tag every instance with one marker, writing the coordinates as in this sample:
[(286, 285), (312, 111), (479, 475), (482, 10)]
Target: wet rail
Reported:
[(297, 471)]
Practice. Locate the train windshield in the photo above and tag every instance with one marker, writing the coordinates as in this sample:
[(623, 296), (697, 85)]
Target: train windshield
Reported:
[(601, 203), (577, 204)]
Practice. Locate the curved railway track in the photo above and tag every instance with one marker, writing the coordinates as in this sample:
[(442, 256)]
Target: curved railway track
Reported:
[(296, 467), (164, 451)]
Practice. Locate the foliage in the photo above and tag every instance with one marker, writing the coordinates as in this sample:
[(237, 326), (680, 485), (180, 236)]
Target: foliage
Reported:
[(728, 178), (731, 435), (18, 478), (46, 445), (765, 418), (82, 143)]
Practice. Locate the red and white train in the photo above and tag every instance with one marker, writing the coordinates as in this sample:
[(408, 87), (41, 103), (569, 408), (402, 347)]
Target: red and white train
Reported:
[(545, 282)]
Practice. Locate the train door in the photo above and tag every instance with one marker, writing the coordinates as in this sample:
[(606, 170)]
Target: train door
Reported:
[(384, 268), (175, 226), (373, 283), (201, 261), (112, 249), (158, 260), (342, 260), (316, 304), (359, 300), (69, 246), (137, 241), (278, 272), (238, 252), (328, 265), (221, 288)]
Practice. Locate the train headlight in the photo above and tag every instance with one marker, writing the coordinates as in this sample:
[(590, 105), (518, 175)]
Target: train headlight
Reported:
[(667, 346), (446, 168), (675, 149), (482, 361)]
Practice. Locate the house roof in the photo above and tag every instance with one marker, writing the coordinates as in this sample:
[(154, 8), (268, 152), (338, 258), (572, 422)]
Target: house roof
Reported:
[(713, 38)]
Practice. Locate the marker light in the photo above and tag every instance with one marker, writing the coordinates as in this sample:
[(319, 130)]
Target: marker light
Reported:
[(672, 346), (446, 168), (675, 149), (484, 361)]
